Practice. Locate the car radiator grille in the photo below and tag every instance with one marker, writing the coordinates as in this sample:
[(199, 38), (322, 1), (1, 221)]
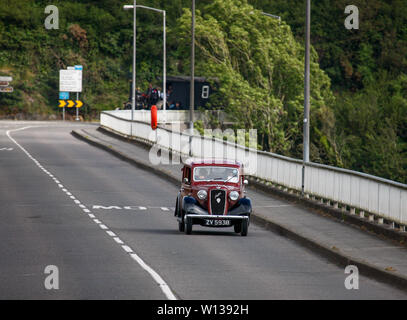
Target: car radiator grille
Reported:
[(218, 201)]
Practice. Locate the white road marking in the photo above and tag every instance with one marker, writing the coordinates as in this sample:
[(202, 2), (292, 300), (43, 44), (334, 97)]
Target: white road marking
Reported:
[(163, 285), (91, 215), (6, 149), (156, 277), (118, 240), (127, 249), (123, 209)]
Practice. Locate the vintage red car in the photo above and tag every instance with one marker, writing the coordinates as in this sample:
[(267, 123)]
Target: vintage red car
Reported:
[(212, 194)]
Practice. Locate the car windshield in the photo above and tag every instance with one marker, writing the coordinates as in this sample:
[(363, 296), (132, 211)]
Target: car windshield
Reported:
[(207, 173)]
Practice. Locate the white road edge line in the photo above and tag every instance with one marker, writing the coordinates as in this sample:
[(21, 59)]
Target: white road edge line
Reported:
[(156, 277)]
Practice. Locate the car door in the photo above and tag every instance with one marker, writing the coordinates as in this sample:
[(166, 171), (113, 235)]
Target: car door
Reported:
[(185, 185)]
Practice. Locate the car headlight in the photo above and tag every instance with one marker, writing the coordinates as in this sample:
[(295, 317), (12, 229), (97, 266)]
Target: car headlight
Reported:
[(234, 195), (202, 194)]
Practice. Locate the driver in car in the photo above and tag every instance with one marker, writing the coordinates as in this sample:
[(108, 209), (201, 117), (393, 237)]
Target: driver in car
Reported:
[(202, 174)]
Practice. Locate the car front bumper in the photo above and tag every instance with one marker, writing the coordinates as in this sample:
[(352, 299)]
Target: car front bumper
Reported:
[(202, 218)]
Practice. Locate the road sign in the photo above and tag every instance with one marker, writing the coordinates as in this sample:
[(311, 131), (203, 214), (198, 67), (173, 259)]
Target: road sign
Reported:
[(70, 68), (8, 79), (4, 83), (78, 103), (70, 103), (64, 95), (70, 80), (78, 67), (6, 89)]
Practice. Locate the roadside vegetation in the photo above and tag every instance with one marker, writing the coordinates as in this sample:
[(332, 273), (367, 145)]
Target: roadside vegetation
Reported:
[(359, 77)]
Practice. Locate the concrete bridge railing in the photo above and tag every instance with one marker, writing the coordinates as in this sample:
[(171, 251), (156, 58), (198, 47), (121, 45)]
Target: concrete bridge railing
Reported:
[(369, 196)]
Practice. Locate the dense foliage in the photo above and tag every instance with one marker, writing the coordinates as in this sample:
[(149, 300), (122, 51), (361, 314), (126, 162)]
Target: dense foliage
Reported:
[(359, 77), (368, 72)]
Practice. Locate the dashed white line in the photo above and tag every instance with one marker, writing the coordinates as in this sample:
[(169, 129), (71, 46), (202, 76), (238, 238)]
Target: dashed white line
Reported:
[(127, 249), (118, 240), (156, 277)]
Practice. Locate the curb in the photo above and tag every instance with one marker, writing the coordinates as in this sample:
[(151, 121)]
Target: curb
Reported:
[(332, 254), (337, 214)]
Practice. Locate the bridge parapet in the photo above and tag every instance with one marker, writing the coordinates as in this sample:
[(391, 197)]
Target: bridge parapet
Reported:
[(375, 198)]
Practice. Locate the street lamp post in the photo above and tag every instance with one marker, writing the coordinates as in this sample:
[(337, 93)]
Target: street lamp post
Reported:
[(192, 83), (133, 95), (127, 7), (306, 92)]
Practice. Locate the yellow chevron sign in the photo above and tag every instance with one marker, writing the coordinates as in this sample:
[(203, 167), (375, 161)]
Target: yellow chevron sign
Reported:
[(70, 103), (62, 103), (78, 103)]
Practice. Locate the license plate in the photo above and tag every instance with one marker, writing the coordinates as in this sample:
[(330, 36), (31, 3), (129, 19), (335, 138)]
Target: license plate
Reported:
[(211, 222)]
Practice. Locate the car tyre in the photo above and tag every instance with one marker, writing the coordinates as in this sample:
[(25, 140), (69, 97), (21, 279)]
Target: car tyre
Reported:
[(181, 226), (238, 227), (188, 225), (176, 209), (245, 227)]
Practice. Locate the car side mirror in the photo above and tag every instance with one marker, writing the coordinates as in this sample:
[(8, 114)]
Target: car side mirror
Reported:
[(246, 182), (185, 180)]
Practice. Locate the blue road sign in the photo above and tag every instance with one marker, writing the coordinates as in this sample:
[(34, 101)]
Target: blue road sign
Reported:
[(63, 95), (78, 67)]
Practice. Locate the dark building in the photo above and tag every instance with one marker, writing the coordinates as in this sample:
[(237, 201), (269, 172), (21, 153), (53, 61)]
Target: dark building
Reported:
[(180, 94), (180, 86)]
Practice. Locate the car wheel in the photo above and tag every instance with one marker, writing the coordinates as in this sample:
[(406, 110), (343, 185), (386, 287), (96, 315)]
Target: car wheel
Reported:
[(181, 226), (176, 209), (188, 225), (245, 227), (238, 227)]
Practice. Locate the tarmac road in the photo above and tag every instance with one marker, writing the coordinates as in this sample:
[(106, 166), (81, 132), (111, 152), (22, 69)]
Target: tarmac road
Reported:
[(109, 229)]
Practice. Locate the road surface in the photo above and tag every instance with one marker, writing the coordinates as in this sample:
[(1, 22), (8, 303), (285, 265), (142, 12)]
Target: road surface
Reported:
[(109, 229)]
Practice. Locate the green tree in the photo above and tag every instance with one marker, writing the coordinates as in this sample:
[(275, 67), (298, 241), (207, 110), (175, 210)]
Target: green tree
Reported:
[(260, 69)]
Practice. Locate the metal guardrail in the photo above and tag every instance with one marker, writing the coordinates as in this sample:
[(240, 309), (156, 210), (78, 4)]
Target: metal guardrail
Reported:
[(356, 191)]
